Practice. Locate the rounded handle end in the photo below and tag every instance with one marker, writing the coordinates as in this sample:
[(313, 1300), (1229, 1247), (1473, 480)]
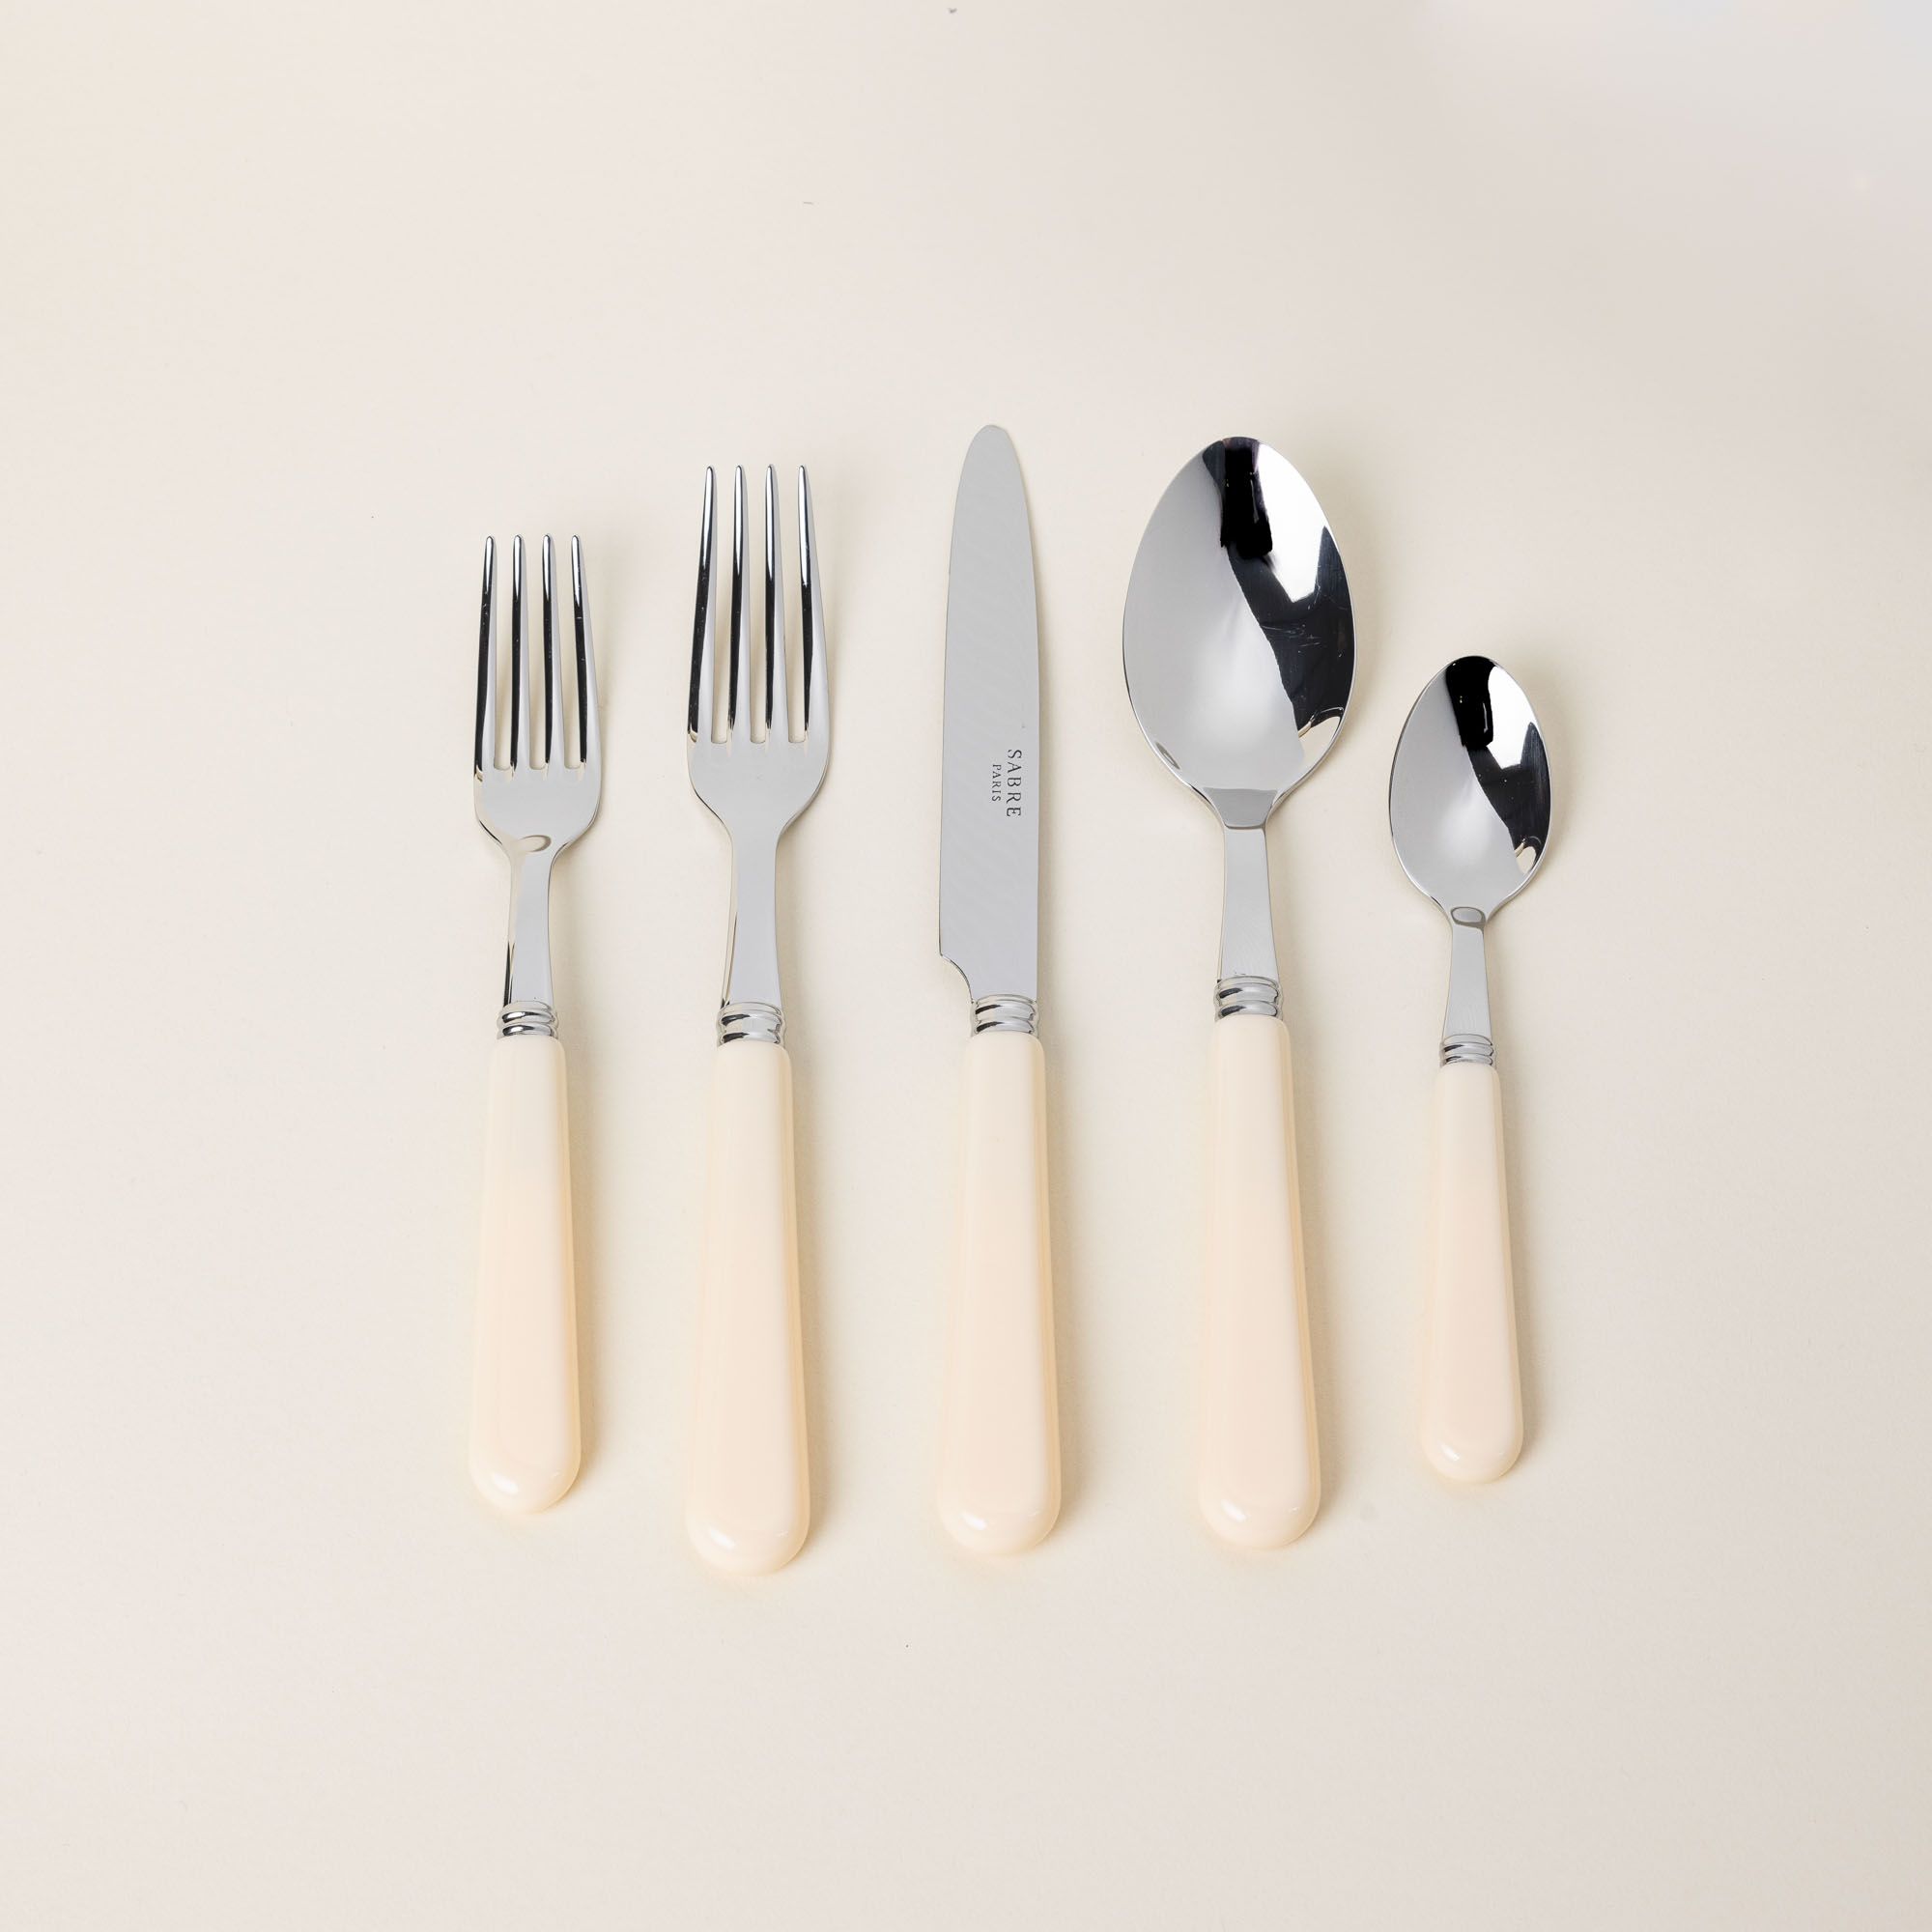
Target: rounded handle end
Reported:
[(1249, 1521), (1477, 1459), (746, 1549), (523, 1486), (1003, 1531)]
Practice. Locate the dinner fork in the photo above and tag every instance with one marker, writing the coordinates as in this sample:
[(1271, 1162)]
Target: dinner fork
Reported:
[(747, 1504), (524, 1441)]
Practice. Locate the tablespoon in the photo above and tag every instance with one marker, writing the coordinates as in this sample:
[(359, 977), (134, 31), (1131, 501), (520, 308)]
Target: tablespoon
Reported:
[(1239, 645), (1469, 811)]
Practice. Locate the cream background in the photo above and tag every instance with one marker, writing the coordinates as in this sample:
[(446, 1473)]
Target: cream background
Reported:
[(1603, 344)]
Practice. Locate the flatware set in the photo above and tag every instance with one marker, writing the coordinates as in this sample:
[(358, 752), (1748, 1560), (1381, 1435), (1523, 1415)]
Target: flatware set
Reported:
[(1239, 647)]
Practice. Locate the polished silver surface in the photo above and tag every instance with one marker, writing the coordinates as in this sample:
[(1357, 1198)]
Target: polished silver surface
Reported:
[(1469, 812), (1005, 1012), (755, 781), (534, 809), (1240, 643), (989, 775)]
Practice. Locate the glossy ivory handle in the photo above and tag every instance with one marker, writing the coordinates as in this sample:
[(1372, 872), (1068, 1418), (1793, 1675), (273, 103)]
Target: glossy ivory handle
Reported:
[(524, 1438), (1472, 1396), (747, 1505), (999, 1431), (1260, 1473)]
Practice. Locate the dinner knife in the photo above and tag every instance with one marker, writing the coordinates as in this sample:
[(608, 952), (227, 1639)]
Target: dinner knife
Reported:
[(999, 1461)]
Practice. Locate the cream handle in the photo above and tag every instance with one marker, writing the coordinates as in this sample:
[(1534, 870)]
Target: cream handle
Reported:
[(999, 1435), (1259, 1473), (747, 1505), (1471, 1398), (524, 1441)]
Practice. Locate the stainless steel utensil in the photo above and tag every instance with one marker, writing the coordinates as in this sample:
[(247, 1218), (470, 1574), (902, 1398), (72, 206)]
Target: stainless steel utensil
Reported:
[(1240, 650), (1469, 812), (998, 1462), (747, 1505), (524, 1443)]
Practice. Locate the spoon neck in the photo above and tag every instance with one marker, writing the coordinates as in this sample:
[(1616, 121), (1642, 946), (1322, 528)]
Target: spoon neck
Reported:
[(1250, 978), (1466, 1034)]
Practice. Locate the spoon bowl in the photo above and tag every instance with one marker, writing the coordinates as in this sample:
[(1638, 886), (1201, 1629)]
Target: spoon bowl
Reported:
[(1470, 789), (1239, 637)]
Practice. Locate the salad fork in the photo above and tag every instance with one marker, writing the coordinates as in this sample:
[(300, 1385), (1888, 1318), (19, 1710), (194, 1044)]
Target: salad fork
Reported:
[(524, 1442), (747, 1504)]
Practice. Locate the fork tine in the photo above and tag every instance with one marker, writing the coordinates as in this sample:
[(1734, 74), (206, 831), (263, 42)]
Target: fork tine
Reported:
[(520, 722), (549, 618), (702, 716), (486, 665), (589, 739), (778, 720), (812, 608), (741, 665)]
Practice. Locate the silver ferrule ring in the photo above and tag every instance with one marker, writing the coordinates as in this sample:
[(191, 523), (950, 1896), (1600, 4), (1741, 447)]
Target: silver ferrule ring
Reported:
[(516, 1022), (1005, 1012), (750, 1020), (1246, 993), (1473, 1049)]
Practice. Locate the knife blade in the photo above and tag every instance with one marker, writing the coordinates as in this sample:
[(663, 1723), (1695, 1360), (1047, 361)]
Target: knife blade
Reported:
[(999, 1437), (989, 782)]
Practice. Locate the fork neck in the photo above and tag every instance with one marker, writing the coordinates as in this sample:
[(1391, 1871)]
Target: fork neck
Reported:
[(529, 1004), (752, 1007)]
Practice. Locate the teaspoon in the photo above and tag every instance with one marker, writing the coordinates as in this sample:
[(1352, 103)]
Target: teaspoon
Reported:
[(1469, 811)]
